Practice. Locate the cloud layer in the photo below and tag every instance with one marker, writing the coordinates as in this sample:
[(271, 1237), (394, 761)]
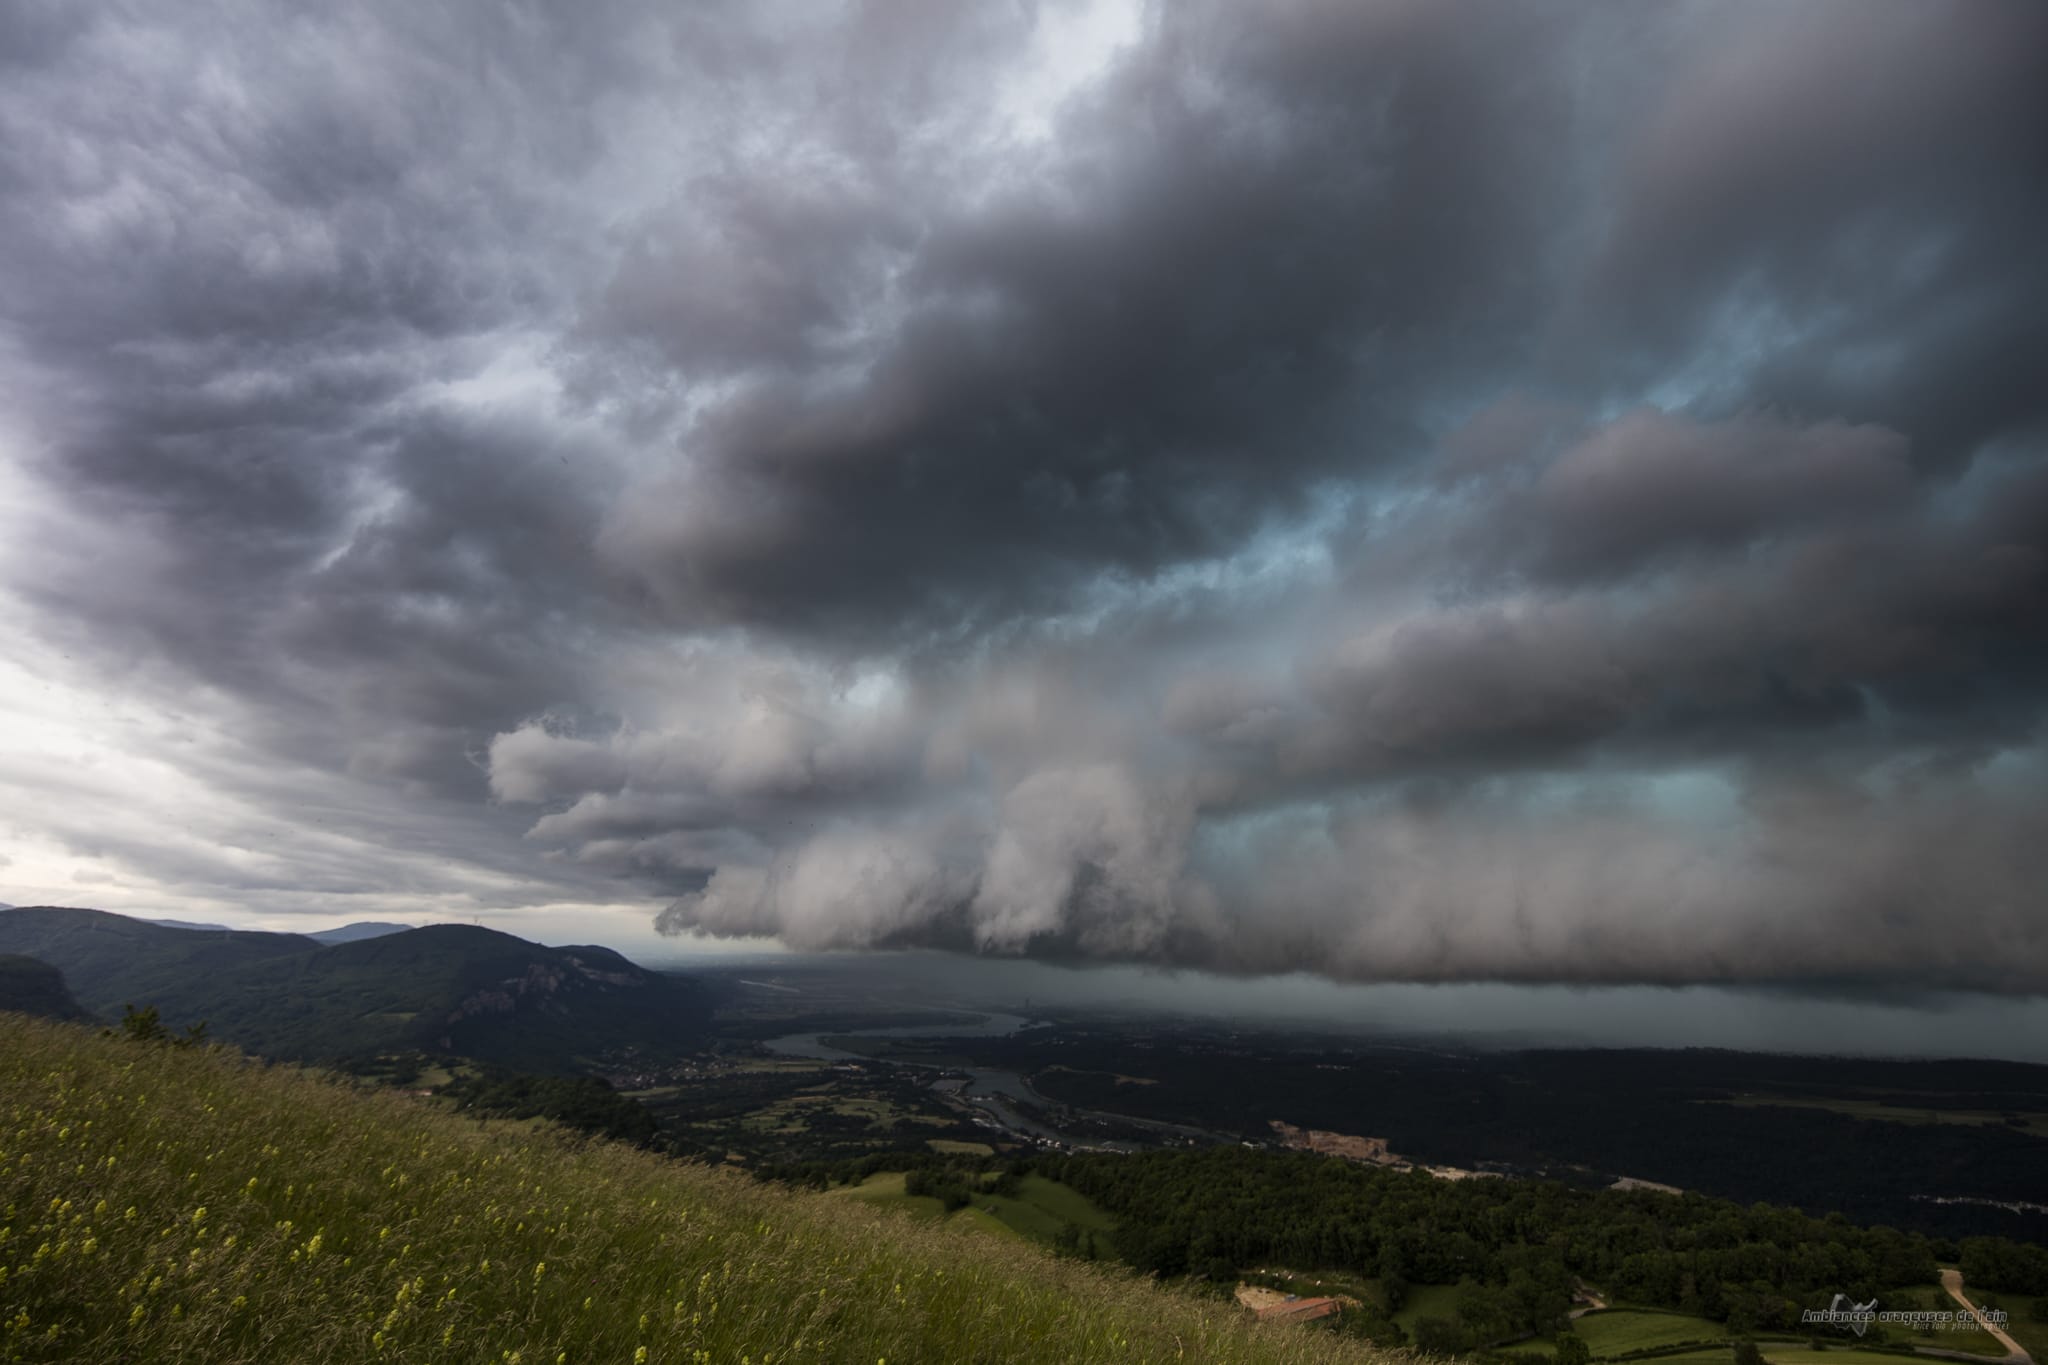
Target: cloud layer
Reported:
[(1403, 491)]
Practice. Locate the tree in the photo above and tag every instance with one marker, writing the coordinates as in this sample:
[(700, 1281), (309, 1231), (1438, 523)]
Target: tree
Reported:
[(1573, 1350), (1442, 1337), (1746, 1353)]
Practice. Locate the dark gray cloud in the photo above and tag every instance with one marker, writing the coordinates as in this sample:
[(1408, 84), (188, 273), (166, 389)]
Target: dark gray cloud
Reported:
[(1401, 490), (1245, 267)]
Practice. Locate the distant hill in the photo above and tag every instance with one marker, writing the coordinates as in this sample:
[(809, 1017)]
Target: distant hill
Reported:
[(112, 960), (347, 933), (362, 928), (450, 988), (475, 992), (31, 987)]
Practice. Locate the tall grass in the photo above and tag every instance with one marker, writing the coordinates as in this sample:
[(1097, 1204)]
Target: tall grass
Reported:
[(159, 1204)]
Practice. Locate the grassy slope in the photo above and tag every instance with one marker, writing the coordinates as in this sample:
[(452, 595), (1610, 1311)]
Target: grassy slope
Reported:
[(169, 1205), (884, 1189)]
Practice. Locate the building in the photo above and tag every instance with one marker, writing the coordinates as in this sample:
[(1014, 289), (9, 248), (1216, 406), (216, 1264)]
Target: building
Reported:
[(1299, 1310)]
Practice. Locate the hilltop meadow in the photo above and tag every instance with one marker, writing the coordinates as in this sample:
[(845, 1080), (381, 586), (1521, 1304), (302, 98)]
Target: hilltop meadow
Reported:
[(165, 1203)]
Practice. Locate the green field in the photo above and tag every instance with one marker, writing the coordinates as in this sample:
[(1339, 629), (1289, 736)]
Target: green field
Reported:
[(1615, 1331), (2024, 1328), (1038, 1210), (955, 1147), (182, 1205), (884, 1189), (1975, 1341), (1041, 1207), (1781, 1353)]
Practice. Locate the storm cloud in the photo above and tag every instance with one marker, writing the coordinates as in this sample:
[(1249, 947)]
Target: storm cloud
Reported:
[(1400, 491)]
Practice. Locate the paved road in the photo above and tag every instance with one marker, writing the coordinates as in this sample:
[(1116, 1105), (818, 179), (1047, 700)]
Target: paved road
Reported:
[(1952, 1281)]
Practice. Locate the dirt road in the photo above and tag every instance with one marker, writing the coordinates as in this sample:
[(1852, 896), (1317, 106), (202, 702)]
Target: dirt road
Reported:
[(1952, 1281)]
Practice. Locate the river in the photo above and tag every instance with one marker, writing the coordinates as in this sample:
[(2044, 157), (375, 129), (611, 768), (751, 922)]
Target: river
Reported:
[(988, 1089)]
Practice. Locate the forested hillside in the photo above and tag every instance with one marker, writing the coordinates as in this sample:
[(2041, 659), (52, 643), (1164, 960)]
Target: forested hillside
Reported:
[(1523, 1242), (32, 987), (451, 988)]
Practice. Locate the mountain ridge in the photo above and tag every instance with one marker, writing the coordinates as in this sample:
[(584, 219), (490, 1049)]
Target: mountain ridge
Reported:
[(454, 989)]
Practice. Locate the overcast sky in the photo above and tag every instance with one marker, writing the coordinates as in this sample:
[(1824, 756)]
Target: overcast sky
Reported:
[(1397, 491)]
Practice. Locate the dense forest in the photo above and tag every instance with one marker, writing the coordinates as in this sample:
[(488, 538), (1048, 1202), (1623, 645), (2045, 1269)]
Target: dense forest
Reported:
[(1215, 1211), (1516, 1249), (33, 987)]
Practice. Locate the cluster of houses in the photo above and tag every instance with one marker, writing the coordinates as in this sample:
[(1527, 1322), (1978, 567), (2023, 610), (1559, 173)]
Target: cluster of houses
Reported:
[(1368, 1151)]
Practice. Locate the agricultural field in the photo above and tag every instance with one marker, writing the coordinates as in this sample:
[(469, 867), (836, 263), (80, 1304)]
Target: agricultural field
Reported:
[(1881, 1111), (766, 1110), (1116, 1076), (2025, 1328), (1786, 1353), (1615, 1331), (923, 1051), (1975, 1341)]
